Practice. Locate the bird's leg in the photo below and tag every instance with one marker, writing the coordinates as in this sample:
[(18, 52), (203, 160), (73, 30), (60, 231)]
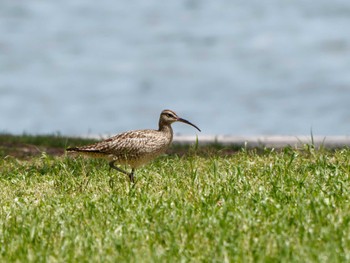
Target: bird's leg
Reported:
[(131, 175), (111, 165)]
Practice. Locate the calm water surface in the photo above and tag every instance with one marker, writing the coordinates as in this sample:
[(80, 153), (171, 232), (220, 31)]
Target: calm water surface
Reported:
[(231, 67)]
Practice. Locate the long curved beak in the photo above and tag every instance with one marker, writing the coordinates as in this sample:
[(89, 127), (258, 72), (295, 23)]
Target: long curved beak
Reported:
[(187, 122)]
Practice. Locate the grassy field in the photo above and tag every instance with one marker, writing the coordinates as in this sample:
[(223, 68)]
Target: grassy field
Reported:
[(249, 206)]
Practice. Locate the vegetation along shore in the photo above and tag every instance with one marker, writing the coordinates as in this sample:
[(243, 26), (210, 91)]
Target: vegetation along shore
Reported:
[(196, 203)]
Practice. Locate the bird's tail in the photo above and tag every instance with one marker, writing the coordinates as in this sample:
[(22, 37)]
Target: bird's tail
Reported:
[(72, 149), (85, 150)]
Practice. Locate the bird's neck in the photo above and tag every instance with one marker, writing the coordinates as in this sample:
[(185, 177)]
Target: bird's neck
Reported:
[(166, 128)]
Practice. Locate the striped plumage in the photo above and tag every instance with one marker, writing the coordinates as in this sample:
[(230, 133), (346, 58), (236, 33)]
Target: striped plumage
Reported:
[(135, 148)]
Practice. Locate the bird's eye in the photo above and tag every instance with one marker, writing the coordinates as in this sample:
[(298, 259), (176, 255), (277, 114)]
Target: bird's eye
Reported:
[(169, 115)]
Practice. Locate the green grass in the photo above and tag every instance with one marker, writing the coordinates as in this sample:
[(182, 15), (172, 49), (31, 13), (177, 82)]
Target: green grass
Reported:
[(286, 206)]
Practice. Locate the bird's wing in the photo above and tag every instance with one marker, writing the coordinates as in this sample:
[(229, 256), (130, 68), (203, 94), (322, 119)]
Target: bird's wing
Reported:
[(126, 142)]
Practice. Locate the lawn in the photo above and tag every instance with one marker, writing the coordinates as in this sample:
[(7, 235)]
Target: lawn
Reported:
[(290, 205)]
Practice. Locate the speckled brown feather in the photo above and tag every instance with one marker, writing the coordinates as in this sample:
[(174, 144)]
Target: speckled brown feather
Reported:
[(134, 148)]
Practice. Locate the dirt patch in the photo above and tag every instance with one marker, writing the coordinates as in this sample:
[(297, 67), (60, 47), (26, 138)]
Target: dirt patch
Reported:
[(25, 151), (27, 146)]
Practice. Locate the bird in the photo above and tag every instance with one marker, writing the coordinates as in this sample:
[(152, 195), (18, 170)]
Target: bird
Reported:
[(134, 148)]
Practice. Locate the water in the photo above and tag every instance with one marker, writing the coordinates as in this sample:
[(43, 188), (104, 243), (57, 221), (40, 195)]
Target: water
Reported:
[(231, 67)]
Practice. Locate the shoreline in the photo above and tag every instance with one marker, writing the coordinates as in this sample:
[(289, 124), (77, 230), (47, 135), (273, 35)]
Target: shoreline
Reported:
[(26, 146), (271, 141)]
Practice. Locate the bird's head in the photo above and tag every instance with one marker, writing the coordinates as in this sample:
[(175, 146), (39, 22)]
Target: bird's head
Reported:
[(168, 117)]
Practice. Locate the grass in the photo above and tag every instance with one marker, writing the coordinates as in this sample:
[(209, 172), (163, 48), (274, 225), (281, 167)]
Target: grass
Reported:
[(286, 206)]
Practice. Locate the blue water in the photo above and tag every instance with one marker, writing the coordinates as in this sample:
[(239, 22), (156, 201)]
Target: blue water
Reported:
[(231, 67)]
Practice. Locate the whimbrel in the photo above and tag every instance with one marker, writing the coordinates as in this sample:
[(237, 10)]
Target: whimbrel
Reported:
[(135, 148)]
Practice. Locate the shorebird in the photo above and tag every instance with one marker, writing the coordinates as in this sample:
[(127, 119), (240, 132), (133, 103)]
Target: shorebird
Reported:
[(135, 148)]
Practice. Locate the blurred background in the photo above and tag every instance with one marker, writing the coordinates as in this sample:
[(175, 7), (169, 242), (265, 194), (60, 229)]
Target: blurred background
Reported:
[(238, 67)]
